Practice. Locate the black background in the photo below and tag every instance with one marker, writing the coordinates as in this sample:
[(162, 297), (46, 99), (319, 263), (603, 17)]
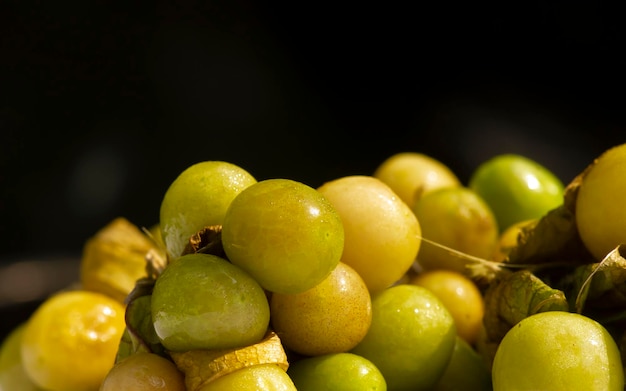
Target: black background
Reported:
[(102, 103)]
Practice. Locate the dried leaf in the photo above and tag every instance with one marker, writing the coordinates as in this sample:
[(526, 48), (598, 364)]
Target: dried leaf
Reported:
[(207, 241), (515, 296), (554, 239), (600, 287)]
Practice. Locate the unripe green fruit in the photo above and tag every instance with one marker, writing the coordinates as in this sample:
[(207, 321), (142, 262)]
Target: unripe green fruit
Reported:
[(201, 301), (600, 212), (198, 198), (516, 188)]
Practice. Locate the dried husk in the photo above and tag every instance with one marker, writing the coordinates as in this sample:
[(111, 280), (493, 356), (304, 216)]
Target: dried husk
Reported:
[(204, 366), (115, 258), (516, 296)]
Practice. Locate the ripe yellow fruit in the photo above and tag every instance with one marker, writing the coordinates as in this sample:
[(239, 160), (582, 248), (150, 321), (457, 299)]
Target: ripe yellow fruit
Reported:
[(382, 234), (331, 317), (460, 296), (70, 342), (12, 373), (600, 213), (457, 218), (413, 174)]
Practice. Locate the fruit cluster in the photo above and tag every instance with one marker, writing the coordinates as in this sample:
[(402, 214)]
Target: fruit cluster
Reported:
[(405, 279)]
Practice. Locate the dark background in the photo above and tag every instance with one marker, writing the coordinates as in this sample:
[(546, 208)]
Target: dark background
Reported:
[(102, 104)]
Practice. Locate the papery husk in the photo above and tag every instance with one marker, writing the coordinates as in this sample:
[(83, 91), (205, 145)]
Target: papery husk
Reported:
[(204, 366), (115, 258)]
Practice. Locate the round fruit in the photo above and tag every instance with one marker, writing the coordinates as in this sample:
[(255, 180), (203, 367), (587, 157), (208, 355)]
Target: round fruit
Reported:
[(144, 371), (382, 235), (411, 175), (516, 188), (201, 301), (411, 337), (457, 218), (461, 297), (12, 373), (331, 317), (558, 350), (198, 198), (466, 370), (284, 233), (70, 342), (600, 215), (264, 377), (336, 372)]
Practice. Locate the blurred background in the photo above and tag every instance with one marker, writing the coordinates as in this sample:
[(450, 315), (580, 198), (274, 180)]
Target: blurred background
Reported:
[(103, 104)]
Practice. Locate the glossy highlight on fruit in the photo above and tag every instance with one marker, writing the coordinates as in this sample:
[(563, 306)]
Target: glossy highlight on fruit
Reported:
[(198, 198), (71, 340), (516, 188), (600, 212), (558, 350), (201, 301), (284, 233), (411, 337)]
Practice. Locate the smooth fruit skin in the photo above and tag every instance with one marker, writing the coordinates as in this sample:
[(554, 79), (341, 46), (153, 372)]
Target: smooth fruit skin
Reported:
[(413, 174), (457, 218), (558, 350), (263, 377), (466, 370), (12, 373), (411, 337), (202, 301), (461, 297), (198, 198), (283, 233), (336, 372), (600, 212), (382, 234), (331, 317), (516, 188), (71, 340), (144, 371)]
